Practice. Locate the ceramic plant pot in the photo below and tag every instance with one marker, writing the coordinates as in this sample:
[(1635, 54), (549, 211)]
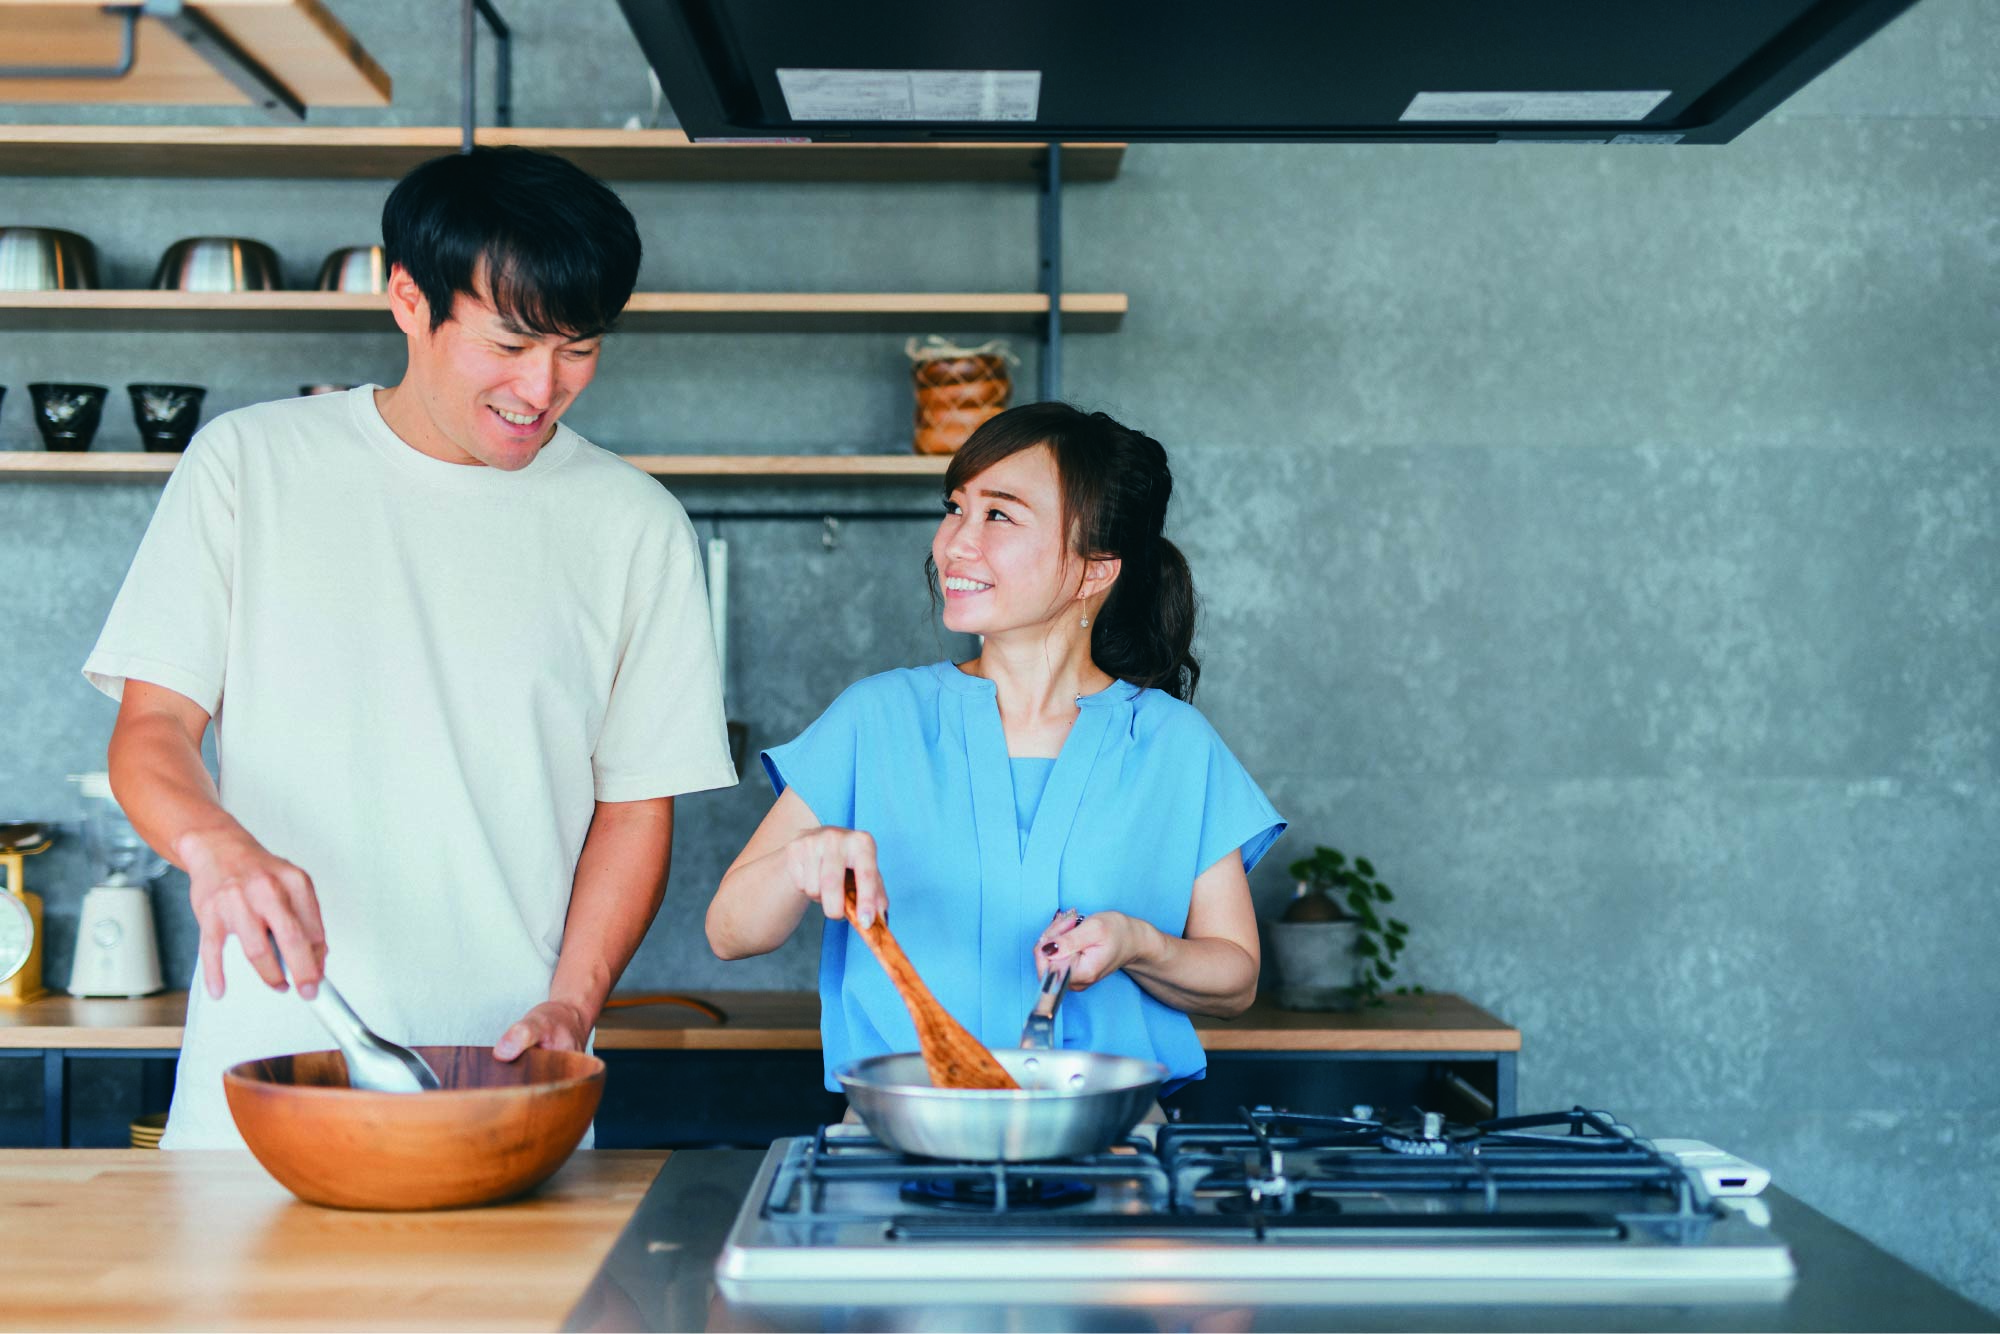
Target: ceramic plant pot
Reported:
[(1316, 964)]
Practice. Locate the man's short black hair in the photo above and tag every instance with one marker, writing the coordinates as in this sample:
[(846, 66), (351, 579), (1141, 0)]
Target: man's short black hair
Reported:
[(561, 250)]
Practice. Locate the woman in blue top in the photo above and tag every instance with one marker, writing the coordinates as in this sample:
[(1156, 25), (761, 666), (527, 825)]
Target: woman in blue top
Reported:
[(1056, 799)]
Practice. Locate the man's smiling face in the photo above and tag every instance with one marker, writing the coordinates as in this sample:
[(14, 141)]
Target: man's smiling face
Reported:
[(490, 390)]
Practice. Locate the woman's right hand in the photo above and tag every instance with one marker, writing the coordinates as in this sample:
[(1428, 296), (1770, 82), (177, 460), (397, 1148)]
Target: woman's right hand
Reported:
[(818, 862), (239, 889)]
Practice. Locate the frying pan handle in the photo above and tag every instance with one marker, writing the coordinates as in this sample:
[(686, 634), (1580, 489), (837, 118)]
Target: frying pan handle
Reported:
[(1055, 984)]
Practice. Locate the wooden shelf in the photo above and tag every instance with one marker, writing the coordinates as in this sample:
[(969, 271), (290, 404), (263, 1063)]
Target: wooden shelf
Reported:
[(386, 152), (792, 467), (298, 42), (33, 465), (121, 310), (789, 1020)]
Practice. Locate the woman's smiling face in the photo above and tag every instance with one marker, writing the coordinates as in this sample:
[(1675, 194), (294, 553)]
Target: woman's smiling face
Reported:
[(1002, 554)]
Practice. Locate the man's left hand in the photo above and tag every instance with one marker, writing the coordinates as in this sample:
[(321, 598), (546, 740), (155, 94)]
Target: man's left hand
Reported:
[(556, 1025)]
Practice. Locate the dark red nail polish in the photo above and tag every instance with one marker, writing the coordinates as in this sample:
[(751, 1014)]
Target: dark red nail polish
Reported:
[(1049, 948)]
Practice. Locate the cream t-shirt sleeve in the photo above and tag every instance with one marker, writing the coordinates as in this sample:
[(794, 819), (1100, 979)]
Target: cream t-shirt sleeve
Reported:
[(170, 622), (664, 733)]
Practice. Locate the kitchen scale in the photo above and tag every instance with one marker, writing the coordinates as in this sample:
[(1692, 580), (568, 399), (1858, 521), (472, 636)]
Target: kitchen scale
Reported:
[(20, 915)]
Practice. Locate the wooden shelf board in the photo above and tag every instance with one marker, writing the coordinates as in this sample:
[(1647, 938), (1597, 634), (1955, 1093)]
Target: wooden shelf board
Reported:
[(789, 1020), (647, 312), (298, 42), (122, 310), (792, 467), (386, 152), (31, 465)]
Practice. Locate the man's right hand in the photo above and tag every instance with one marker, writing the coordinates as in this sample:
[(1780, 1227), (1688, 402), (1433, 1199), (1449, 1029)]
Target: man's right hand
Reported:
[(818, 860), (236, 887), (239, 889)]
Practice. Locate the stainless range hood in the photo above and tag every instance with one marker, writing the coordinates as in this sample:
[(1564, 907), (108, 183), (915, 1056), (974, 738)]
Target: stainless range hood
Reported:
[(1452, 71)]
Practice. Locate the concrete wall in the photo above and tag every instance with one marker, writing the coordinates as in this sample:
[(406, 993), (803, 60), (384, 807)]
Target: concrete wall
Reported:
[(1603, 541)]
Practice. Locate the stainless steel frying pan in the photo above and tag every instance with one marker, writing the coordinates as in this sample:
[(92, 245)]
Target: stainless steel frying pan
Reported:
[(1069, 1103)]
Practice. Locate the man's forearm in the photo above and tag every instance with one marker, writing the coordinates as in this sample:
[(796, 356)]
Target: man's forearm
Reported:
[(161, 784), (235, 886), (621, 878)]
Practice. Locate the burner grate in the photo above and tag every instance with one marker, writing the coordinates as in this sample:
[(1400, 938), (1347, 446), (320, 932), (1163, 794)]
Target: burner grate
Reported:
[(1578, 1173), (975, 1195), (1266, 1164), (814, 1169)]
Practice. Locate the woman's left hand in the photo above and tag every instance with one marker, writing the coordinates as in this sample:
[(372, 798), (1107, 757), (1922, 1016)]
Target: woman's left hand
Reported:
[(1095, 946)]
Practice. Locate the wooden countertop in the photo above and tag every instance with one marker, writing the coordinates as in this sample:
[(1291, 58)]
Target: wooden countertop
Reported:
[(137, 1239), (789, 1020)]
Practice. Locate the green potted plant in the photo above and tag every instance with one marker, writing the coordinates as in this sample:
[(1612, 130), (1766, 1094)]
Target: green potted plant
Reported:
[(1336, 946)]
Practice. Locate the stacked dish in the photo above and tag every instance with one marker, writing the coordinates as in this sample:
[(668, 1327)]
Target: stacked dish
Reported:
[(147, 1129)]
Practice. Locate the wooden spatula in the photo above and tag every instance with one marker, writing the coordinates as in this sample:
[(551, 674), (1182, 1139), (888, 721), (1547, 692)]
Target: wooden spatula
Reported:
[(953, 1057)]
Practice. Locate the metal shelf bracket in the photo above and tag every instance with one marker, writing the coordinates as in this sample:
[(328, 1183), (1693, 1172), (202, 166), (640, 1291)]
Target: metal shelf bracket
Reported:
[(203, 38), (471, 14), (129, 13), (1049, 372)]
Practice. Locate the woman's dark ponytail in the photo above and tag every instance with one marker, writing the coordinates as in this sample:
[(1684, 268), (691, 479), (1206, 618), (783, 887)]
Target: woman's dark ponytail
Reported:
[(1145, 631), (1115, 485)]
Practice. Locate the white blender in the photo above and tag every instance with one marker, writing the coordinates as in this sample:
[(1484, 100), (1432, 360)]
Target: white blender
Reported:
[(116, 952)]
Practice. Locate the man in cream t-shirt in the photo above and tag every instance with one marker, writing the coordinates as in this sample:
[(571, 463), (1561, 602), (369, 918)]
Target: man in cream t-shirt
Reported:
[(457, 658)]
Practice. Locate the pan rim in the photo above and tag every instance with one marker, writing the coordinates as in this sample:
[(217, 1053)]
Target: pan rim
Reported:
[(852, 1074)]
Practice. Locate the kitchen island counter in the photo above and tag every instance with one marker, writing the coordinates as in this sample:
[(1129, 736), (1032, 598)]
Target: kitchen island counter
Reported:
[(659, 1276), (138, 1239)]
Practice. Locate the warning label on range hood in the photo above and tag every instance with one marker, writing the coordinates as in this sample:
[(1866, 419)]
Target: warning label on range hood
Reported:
[(911, 94), (1534, 106)]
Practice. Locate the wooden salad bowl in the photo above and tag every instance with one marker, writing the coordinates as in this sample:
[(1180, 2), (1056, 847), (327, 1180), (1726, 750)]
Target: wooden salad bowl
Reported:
[(496, 1129)]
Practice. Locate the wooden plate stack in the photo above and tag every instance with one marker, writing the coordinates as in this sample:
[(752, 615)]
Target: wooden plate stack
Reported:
[(146, 1130), (957, 389)]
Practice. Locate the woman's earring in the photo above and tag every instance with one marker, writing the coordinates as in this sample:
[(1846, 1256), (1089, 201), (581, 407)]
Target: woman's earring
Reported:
[(1085, 622)]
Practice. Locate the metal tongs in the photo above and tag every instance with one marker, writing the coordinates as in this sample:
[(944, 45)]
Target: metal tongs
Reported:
[(1040, 1030), (373, 1062)]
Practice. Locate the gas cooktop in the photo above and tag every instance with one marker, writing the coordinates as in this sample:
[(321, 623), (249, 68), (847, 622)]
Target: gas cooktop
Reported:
[(1277, 1206)]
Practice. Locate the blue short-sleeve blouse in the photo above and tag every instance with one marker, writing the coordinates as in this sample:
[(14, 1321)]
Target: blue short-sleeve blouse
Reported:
[(1144, 797)]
